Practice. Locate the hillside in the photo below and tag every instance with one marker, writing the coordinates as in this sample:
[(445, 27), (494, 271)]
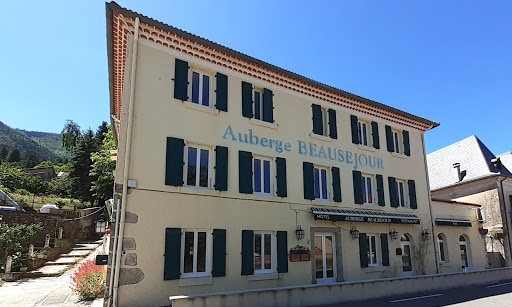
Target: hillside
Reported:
[(48, 146)]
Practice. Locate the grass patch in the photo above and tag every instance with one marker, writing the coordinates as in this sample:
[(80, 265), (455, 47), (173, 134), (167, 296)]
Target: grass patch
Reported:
[(39, 201)]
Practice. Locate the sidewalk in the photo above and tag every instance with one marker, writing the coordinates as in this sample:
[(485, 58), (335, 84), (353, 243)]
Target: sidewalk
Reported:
[(50, 291)]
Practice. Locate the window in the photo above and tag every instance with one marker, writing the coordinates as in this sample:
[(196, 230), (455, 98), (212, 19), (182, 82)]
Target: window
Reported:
[(200, 89), (258, 104), (367, 184), (397, 142), (362, 130), (463, 245), (373, 246), (402, 193), (262, 170), (320, 183), (264, 252), (198, 167), (441, 244), (195, 258)]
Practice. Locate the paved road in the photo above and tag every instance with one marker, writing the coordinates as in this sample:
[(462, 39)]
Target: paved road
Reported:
[(498, 294)]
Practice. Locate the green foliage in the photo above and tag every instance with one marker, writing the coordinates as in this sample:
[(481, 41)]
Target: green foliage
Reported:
[(14, 156), (58, 167), (60, 187), (15, 179), (70, 134), (102, 169), (88, 281), (23, 192), (14, 240), (4, 153), (30, 159)]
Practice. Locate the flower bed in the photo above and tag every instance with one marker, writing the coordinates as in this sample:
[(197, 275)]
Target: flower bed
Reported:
[(88, 281)]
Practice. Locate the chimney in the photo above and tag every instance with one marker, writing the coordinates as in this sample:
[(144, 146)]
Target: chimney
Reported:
[(456, 171)]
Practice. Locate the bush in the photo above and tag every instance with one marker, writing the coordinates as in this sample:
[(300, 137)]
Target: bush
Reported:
[(23, 192), (88, 281)]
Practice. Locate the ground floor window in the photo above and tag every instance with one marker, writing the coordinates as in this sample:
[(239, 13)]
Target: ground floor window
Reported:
[(263, 252), (195, 255), (441, 245), (373, 255)]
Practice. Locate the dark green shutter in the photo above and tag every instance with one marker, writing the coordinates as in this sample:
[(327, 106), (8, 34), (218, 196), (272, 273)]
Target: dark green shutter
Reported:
[(219, 253), (268, 106), (355, 133), (309, 180), (333, 131), (221, 168), (385, 249), (363, 250), (318, 125), (181, 80), (174, 162), (380, 190), (393, 192), (245, 172), (282, 252), (247, 100), (281, 177), (247, 252), (389, 139), (172, 256), (221, 93), (358, 187), (407, 146), (336, 185), (412, 194), (375, 135)]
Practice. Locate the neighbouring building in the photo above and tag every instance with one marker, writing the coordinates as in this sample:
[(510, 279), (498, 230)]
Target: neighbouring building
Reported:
[(234, 174), (46, 173), (468, 171)]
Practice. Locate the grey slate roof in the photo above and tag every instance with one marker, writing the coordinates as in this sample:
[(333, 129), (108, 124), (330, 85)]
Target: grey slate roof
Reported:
[(475, 162)]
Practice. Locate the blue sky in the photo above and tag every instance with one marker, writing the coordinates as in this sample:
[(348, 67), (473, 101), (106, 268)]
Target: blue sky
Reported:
[(447, 61)]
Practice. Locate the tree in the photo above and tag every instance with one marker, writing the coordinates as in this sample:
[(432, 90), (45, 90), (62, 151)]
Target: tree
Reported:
[(82, 162), (4, 153), (14, 240), (31, 159), (61, 187), (70, 134), (102, 169), (15, 156)]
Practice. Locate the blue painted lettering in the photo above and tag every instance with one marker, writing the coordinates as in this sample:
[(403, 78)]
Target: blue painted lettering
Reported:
[(379, 163), (253, 138), (363, 161), (288, 147), (302, 148), (321, 153), (264, 142), (312, 150), (229, 132), (349, 157), (332, 153), (341, 155)]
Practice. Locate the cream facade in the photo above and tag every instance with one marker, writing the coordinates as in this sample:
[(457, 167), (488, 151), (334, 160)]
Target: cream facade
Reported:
[(222, 157)]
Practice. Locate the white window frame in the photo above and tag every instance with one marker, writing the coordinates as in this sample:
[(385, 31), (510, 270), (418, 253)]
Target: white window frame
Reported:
[(363, 126), (377, 249), (365, 189), (209, 249), (198, 160), (320, 168), (273, 252), (210, 92), (262, 177), (397, 141), (325, 121), (260, 91), (402, 197), (441, 241)]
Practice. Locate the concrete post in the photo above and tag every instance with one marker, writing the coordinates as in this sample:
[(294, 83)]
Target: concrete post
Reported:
[(31, 250), (61, 230), (47, 241), (8, 265)]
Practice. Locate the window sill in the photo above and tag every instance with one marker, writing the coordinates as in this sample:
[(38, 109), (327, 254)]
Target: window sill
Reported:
[(195, 281), (373, 207), (202, 191), (399, 155), (320, 137), (368, 148), (405, 209), (197, 107), (375, 269), (263, 123), (263, 276)]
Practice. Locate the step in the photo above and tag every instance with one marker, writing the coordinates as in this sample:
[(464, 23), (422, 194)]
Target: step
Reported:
[(77, 253), (50, 270), (64, 260)]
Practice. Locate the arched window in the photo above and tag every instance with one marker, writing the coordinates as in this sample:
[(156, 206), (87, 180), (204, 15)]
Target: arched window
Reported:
[(405, 243), (441, 244), (464, 257)]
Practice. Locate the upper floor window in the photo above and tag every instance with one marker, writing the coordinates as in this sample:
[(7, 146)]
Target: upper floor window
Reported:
[(373, 247), (368, 189), (324, 121), (362, 129), (397, 142), (402, 193), (321, 185), (201, 88), (262, 170), (264, 252), (196, 253), (364, 132), (257, 103), (197, 169)]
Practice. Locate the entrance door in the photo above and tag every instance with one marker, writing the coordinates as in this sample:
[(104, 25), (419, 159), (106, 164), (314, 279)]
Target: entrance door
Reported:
[(463, 254), (325, 258), (405, 243)]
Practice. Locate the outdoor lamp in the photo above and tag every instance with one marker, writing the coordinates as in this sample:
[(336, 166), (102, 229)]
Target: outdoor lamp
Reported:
[(100, 226), (425, 234), (393, 233), (354, 232), (299, 232)]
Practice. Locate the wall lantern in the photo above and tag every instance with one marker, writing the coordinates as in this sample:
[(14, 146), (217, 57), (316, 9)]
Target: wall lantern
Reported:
[(100, 226), (425, 234), (393, 233), (299, 232), (354, 232)]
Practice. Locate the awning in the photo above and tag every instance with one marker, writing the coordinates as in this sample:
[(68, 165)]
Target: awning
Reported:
[(453, 222), (338, 215)]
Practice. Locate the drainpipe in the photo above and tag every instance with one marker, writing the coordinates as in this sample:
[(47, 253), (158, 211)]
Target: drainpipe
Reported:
[(430, 204), (126, 162), (506, 228), (114, 250)]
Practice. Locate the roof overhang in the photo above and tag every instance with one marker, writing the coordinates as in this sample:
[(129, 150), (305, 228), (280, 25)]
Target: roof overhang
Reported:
[(453, 222), (338, 215)]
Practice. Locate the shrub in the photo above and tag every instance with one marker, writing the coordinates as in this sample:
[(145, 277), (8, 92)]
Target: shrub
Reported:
[(23, 192), (88, 281)]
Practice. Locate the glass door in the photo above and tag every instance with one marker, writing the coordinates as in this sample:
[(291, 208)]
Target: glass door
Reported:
[(463, 254), (406, 255), (325, 258)]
